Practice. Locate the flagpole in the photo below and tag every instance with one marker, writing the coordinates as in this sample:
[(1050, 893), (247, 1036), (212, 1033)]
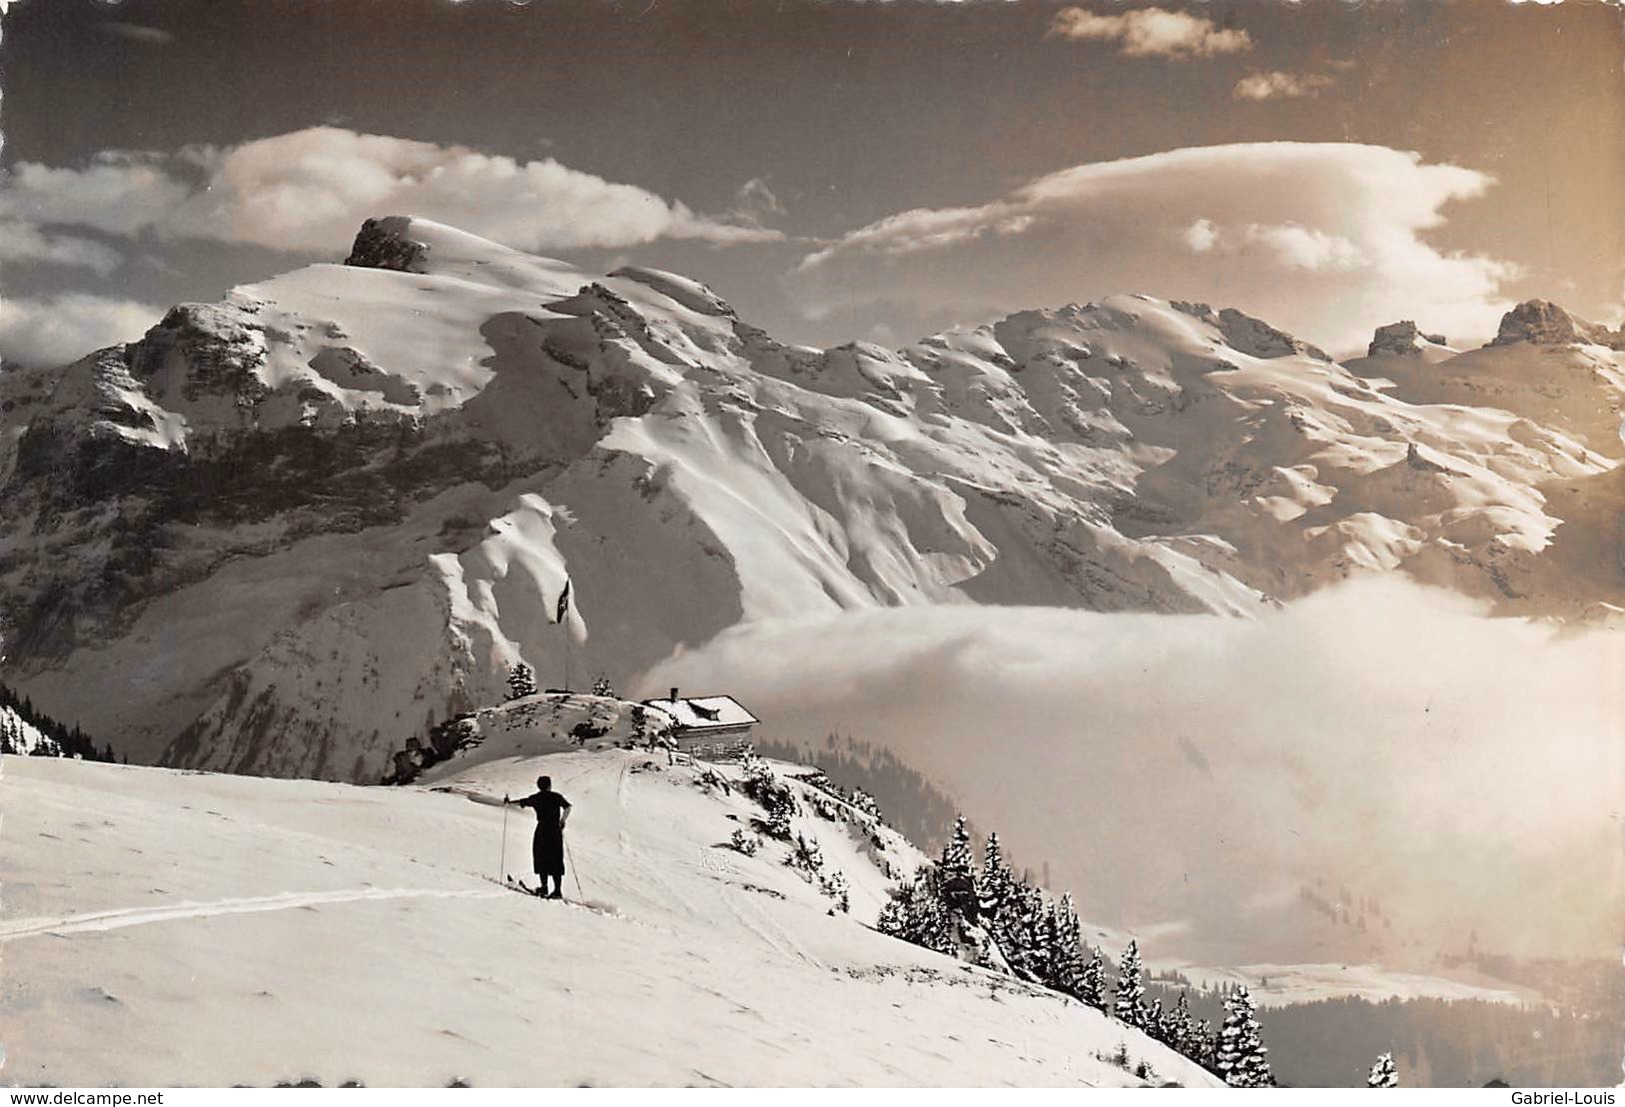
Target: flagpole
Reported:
[(559, 617)]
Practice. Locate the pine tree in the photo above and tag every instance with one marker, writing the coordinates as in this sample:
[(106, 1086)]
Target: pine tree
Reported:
[(1155, 1023), (1183, 1029), (1066, 958), (640, 725), (1241, 1057), (1383, 1073), (1205, 1046), (957, 859), (1047, 943), (957, 873), (865, 803), (997, 888), (1127, 1005), (914, 914), (521, 681), (602, 687), (1027, 952), (1092, 985)]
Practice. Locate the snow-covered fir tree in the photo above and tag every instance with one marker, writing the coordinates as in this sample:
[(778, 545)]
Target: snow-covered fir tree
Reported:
[(521, 680), (1181, 1028), (1024, 934), (641, 735), (1066, 957), (957, 873), (1128, 1004), (914, 913), (602, 687), (775, 796), (1205, 1046), (997, 885), (1241, 1057), (1383, 1074), (1092, 986), (865, 803), (1154, 1021)]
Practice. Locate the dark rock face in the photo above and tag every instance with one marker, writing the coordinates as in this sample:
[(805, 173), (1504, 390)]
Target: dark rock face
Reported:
[(382, 244), (1543, 323), (1540, 322), (1401, 339), (1258, 338)]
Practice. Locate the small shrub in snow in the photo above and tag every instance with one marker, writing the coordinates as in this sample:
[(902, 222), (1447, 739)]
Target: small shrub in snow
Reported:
[(866, 804), (808, 860), (774, 796), (805, 856), (521, 681), (834, 885), (826, 810), (914, 913), (602, 687), (708, 780), (1383, 1073), (745, 842)]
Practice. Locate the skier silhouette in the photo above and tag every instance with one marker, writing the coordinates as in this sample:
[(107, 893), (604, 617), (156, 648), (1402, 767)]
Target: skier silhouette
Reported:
[(547, 847)]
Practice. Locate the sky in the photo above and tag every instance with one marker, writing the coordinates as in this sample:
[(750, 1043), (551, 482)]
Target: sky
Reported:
[(837, 170)]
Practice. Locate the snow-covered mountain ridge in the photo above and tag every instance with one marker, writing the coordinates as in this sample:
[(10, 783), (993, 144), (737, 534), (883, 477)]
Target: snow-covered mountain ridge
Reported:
[(284, 532), (332, 933)]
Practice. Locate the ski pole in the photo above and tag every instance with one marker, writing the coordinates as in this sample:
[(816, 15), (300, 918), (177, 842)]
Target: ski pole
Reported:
[(502, 865), (577, 876)]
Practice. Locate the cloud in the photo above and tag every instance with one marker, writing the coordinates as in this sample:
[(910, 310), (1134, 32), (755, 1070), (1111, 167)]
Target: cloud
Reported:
[(1464, 770), (1325, 239), (755, 203), (1289, 245), (136, 32), (20, 241), (64, 328), (1280, 85), (309, 190), (1151, 33)]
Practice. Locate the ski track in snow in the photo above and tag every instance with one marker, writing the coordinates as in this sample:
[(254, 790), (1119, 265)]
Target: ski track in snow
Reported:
[(140, 916), (680, 989)]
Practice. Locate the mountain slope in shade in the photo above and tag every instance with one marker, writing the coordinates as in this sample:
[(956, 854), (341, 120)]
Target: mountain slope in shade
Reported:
[(282, 533), (334, 933)]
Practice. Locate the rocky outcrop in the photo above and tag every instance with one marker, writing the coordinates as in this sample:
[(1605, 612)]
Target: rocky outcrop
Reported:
[(1540, 322), (1402, 339), (1544, 323), (1259, 339), (383, 244)]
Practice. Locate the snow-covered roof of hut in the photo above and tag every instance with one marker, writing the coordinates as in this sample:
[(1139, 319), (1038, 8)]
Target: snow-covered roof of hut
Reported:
[(704, 712)]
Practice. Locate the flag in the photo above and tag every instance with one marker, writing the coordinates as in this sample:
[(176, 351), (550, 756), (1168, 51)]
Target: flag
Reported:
[(564, 603)]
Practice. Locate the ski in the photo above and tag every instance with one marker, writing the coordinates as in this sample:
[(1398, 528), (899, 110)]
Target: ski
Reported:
[(513, 884)]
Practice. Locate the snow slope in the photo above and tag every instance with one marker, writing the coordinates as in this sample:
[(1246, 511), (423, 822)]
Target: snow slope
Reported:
[(164, 927), (25, 736), (285, 532)]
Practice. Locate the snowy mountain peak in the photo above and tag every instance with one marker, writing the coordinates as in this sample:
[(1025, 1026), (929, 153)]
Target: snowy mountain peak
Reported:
[(339, 502), (1543, 323)]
